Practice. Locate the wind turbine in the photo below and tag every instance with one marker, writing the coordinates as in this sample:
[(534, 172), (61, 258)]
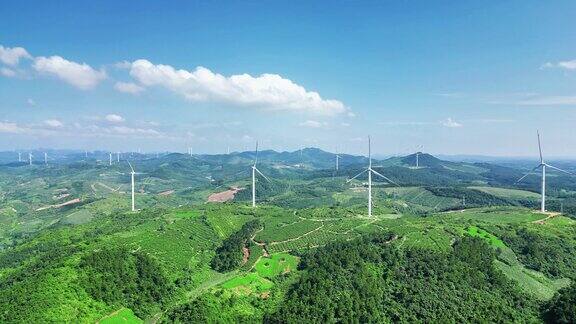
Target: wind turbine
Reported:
[(118, 157), (254, 170), (110, 158), (30, 158), (370, 171), (19, 156), (132, 174), (418, 149), (542, 165), (45, 158)]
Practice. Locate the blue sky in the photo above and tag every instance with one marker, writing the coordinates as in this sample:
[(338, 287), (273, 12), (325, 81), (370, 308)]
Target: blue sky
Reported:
[(457, 77)]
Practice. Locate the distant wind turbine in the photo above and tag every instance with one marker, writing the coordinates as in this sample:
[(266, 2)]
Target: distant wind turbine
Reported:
[(19, 157), (542, 165), (30, 158), (370, 171), (337, 159), (418, 152), (254, 171), (110, 158), (45, 158)]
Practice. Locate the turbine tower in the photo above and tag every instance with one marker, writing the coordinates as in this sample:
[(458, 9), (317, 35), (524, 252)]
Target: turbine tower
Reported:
[(254, 171), (45, 158), (118, 157), (337, 160), (132, 174), (370, 171), (19, 156), (110, 159), (542, 165), (30, 158), (418, 149)]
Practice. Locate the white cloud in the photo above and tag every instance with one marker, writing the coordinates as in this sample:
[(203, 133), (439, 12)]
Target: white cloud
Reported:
[(133, 131), (450, 94), (113, 118), (313, 124), (267, 91), (7, 72), (405, 123), (128, 87), (54, 123), (449, 122), (9, 127), (568, 65), (81, 76), (11, 56), (548, 101), (31, 102)]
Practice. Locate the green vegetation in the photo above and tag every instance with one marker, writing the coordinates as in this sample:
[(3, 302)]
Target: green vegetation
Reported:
[(121, 316), (120, 277), (231, 253), (368, 280), (425, 255), (491, 239), (562, 308)]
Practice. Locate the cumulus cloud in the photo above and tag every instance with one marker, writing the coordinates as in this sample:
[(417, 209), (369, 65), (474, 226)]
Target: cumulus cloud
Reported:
[(54, 123), (267, 91), (313, 124), (449, 122), (7, 72), (128, 87), (113, 118), (11, 56), (567, 65), (81, 76)]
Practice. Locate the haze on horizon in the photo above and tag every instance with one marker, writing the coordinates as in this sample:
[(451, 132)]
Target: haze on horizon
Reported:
[(454, 77)]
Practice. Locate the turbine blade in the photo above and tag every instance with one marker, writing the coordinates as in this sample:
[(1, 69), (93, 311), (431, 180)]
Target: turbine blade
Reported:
[(262, 175), (529, 173), (130, 166), (387, 179), (369, 152), (558, 169), (356, 176), (256, 158), (539, 147)]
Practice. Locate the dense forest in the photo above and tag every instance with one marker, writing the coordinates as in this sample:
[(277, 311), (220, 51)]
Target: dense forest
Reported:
[(229, 255), (122, 278), (369, 281)]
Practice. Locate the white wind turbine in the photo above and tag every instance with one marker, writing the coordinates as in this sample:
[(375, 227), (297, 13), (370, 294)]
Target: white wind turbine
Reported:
[(132, 174), (45, 158), (418, 149), (254, 170), (118, 157), (370, 171), (542, 165), (30, 158), (110, 158)]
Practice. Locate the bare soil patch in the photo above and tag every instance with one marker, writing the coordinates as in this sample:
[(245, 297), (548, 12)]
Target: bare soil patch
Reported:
[(224, 195)]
